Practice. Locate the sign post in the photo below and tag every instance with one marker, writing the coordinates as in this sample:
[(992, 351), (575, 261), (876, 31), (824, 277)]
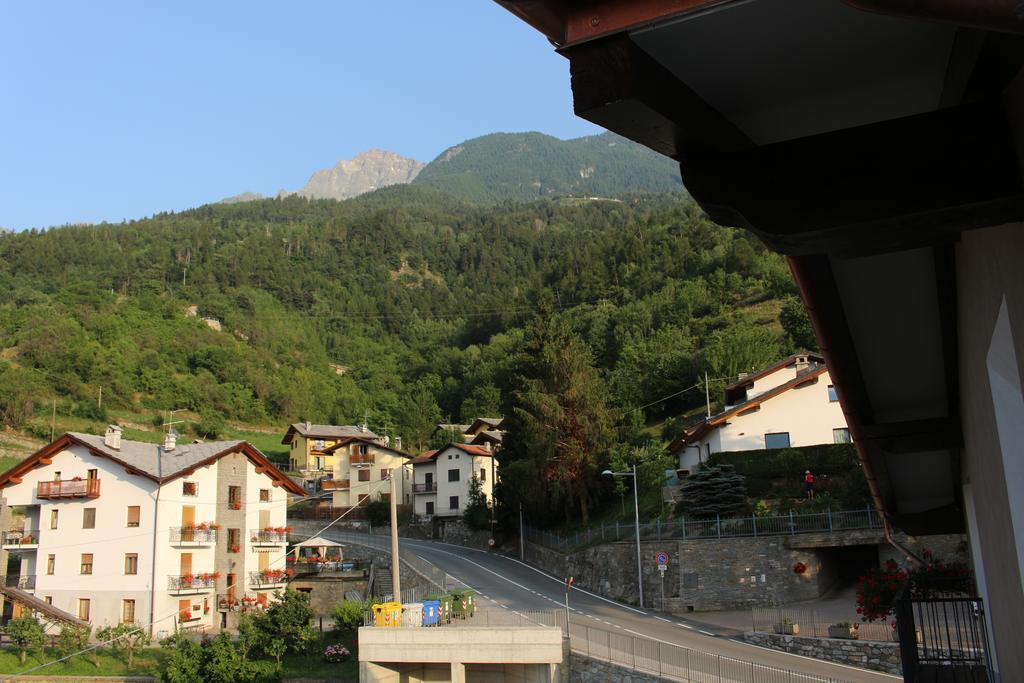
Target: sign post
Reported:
[(662, 558), (568, 585)]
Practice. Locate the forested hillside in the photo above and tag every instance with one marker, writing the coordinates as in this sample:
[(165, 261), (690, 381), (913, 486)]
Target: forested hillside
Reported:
[(527, 166), (405, 305)]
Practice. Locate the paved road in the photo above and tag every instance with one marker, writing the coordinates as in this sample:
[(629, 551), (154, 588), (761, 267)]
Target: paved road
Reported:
[(510, 584)]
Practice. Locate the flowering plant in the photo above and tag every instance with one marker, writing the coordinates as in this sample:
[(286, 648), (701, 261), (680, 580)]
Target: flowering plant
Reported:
[(186, 615), (878, 590), (799, 568), (336, 653), (187, 578), (236, 505), (234, 548)]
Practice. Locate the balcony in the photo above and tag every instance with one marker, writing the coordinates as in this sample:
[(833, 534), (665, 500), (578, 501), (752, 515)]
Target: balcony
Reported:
[(181, 584), (335, 484), (363, 460), (429, 487), (192, 536), (22, 581), (229, 602), (270, 578), (269, 536), (20, 539), (68, 488)]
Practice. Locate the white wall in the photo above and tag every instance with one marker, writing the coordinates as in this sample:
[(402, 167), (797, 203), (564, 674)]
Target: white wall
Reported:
[(383, 459), (455, 459), (420, 500)]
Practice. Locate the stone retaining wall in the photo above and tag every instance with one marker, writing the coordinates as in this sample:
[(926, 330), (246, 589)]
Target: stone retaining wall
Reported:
[(587, 670), (865, 654), (456, 532)]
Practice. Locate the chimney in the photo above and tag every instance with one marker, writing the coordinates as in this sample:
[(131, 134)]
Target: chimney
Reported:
[(398, 443), (112, 439), (487, 445), (801, 363), (387, 441), (363, 427), (308, 426), (170, 440)]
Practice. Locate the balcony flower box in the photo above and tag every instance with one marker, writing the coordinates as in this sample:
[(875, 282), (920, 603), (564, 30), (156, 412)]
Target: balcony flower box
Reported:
[(786, 627), (844, 630), (187, 579), (27, 540), (235, 505), (234, 548)]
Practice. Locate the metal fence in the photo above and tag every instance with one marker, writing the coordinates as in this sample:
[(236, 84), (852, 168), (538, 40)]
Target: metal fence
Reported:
[(645, 655), (944, 634), (812, 624), (683, 528)]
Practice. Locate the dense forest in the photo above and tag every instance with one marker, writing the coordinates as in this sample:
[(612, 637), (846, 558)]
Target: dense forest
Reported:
[(405, 305)]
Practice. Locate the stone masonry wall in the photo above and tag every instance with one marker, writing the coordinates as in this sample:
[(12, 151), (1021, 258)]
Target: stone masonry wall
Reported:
[(866, 654), (586, 670), (456, 532)]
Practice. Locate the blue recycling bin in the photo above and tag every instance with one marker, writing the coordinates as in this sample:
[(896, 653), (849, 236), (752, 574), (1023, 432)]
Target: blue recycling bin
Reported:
[(431, 612)]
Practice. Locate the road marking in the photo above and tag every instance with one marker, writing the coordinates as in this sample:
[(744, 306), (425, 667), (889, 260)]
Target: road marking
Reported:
[(667, 621), (683, 625), (707, 633)]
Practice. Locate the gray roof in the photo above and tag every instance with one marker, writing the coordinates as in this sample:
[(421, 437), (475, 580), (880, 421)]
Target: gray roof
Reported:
[(332, 430), (452, 427), (152, 459)]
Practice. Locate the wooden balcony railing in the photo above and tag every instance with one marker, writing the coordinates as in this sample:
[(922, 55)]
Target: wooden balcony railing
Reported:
[(68, 488), (335, 484), (365, 459)]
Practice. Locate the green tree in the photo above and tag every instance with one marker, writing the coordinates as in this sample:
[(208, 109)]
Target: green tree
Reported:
[(714, 490), (478, 513), (253, 633), (27, 634), (289, 618), (348, 615), (125, 639), (378, 512), (742, 347), (797, 325), (72, 639), (184, 663)]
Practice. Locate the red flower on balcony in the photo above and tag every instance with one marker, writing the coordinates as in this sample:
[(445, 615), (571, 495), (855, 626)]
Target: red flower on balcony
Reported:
[(234, 548), (186, 615), (235, 505), (187, 579)]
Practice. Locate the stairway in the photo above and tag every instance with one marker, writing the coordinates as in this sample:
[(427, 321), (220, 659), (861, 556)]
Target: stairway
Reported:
[(382, 585)]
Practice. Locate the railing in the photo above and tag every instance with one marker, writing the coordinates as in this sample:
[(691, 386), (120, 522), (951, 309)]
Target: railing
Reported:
[(264, 537), (25, 582), (682, 528), (190, 582), (654, 657), (943, 637), (335, 484), (811, 625), (365, 459), (68, 488), (311, 567), (270, 577), (429, 487), (20, 538), (191, 534), (232, 602)]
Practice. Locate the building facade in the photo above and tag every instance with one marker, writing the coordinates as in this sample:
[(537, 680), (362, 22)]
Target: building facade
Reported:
[(362, 467), (441, 479), (128, 532), (308, 446), (790, 404)]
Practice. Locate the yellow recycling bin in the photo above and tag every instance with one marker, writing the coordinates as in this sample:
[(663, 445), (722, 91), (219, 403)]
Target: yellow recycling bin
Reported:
[(387, 614)]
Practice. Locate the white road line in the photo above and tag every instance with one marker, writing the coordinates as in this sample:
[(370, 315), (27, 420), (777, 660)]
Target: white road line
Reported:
[(667, 621), (707, 633)]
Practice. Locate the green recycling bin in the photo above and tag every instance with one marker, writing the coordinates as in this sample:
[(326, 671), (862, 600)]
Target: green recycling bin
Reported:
[(463, 603), (444, 600)]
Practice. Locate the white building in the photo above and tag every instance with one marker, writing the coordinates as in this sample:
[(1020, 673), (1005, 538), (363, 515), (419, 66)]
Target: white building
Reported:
[(441, 478), (122, 531), (789, 404)]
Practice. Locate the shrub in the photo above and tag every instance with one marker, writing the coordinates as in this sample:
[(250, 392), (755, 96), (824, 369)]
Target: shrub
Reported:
[(378, 512), (714, 490), (336, 653), (878, 590), (348, 615), (27, 634)]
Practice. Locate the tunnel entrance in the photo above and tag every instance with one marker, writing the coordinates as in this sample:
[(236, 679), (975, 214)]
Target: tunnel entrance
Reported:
[(846, 564)]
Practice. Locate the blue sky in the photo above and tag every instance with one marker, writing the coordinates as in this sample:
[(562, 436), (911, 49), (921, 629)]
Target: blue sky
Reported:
[(118, 110)]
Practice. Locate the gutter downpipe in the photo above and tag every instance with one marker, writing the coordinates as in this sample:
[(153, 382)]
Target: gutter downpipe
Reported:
[(152, 559), (837, 370)]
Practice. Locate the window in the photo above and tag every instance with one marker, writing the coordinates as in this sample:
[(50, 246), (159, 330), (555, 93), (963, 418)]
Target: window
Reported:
[(83, 609), (364, 475), (93, 474), (361, 449), (841, 435), (235, 497), (430, 508), (89, 518), (51, 561), (777, 440), (429, 479), (264, 495), (48, 599), (453, 502), (483, 474), (86, 563), (127, 611), (385, 473), (185, 610), (189, 488), (133, 515), (453, 475), (131, 563), (832, 395), (234, 540), (53, 518)]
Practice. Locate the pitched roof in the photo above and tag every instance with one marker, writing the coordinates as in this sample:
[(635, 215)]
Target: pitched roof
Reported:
[(697, 432), (746, 381), (489, 422), (492, 435), (151, 460), (324, 431), (472, 450), (319, 542), (424, 457), (461, 429), (369, 441)]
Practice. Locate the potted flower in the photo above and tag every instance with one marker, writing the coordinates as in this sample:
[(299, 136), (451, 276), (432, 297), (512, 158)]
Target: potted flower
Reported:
[(77, 479), (289, 572), (203, 526), (234, 548), (187, 579), (787, 627), (844, 630), (215, 575), (269, 529), (254, 538), (27, 539), (214, 525), (235, 505), (186, 615)]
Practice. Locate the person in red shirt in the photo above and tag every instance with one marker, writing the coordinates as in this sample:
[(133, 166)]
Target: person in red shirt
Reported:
[(809, 484)]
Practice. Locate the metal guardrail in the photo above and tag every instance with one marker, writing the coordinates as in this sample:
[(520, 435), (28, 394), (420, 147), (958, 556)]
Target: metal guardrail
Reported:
[(683, 528), (192, 534), (644, 655), (186, 582), (812, 625), (20, 537)]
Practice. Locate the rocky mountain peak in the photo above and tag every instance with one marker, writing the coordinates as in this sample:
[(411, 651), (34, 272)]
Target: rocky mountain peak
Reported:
[(365, 172)]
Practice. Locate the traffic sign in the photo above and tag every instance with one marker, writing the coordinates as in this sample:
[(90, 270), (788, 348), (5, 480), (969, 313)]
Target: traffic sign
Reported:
[(662, 559)]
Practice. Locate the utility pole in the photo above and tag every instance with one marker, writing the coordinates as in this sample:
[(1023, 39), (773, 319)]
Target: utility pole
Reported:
[(53, 419), (707, 393), (396, 579), (522, 544), (99, 401)]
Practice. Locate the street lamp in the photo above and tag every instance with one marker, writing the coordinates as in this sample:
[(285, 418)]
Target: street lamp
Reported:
[(636, 509)]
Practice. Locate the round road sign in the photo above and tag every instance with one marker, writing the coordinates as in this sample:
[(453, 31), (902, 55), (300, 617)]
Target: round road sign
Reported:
[(662, 558)]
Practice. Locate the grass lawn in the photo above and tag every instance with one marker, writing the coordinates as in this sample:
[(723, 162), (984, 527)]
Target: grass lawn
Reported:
[(7, 462), (301, 666), (269, 444), (147, 662)]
